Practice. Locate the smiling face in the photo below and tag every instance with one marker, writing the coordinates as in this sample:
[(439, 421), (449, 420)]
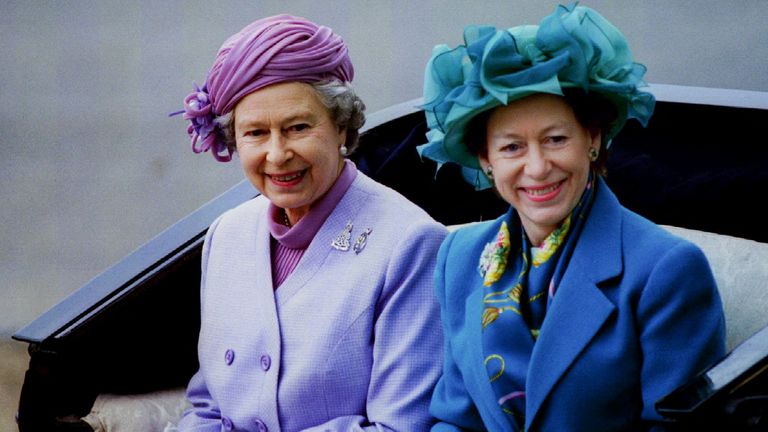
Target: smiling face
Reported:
[(539, 154), (288, 145)]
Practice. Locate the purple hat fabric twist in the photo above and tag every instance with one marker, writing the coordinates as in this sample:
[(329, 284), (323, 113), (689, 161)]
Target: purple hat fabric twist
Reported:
[(268, 51)]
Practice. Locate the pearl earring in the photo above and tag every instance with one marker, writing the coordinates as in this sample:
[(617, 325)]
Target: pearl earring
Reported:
[(489, 172), (593, 154), (343, 150)]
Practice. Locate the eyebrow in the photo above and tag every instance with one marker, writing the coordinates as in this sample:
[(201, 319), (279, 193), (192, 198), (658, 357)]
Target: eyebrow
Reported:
[(512, 134), (298, 116), (308, 115)]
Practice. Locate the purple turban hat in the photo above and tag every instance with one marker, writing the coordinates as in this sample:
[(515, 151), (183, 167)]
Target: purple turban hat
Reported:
[(268, 51)]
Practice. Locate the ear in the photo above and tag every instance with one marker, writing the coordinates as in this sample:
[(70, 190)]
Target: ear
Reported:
[(342, 131), (597, 139), (483, 161)]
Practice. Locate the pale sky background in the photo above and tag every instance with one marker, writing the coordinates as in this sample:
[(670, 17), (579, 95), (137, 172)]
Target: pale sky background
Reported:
[(91, 167)]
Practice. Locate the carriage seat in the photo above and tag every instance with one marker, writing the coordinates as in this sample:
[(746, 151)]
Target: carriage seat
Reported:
[(740, 267)]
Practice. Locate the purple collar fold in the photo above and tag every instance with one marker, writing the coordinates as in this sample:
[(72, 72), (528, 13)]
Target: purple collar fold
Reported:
[(300, 235)]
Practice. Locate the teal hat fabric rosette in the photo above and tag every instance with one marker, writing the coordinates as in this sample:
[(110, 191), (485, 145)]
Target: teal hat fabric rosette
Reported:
[(573, 47)]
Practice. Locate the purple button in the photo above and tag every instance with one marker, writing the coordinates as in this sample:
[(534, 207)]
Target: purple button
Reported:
[(227, 423), (266, 362), (229, 357), (260, 426)]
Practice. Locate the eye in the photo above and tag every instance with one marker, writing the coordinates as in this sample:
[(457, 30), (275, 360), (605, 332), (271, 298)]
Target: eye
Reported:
[(254, 133), (510, 148), (299, 127), (557, 139)]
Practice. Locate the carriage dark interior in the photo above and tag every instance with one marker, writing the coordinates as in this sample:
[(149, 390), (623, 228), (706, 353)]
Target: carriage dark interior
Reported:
[(699, 164)]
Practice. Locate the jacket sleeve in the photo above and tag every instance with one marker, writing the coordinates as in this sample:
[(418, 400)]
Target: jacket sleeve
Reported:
[(681, 324), (203, 415), (451, 403), (407, 340)]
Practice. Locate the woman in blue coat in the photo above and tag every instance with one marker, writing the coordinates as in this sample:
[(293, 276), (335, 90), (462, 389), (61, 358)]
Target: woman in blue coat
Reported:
[(569, 312)]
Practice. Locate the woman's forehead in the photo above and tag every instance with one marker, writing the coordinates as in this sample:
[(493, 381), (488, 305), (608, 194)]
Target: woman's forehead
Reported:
[(540, 112), (280, 102)]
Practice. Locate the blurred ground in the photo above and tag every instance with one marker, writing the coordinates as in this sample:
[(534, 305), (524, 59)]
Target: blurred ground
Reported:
[(14, 360)]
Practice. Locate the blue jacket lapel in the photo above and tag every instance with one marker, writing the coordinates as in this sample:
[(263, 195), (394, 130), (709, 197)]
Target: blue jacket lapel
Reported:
[(493, 417), (579, 308), (478, 382)]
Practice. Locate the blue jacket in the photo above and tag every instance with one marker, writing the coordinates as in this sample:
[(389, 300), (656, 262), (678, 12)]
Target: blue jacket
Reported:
[(636, 314)]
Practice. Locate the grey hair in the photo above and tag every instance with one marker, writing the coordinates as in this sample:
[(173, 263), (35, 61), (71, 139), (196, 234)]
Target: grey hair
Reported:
[(346, 108)]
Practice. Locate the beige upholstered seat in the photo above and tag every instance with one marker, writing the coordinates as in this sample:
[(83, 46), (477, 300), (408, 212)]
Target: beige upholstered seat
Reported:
[(741, 271)]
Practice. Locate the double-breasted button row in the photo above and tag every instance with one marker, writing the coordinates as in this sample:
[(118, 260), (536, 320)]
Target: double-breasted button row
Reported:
[(265, 361), (227, 424)]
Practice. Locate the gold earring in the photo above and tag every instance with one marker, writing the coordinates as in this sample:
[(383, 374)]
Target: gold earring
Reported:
[(593, 154)]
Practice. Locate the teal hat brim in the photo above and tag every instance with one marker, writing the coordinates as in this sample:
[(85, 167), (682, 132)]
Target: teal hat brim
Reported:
[(573, 47)]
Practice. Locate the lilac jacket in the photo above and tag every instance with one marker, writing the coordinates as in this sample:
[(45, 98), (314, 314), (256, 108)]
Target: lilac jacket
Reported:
[(349, 342)]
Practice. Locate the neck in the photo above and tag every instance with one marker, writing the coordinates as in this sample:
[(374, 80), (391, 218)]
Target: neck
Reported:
[(536, 234), (292, 216)]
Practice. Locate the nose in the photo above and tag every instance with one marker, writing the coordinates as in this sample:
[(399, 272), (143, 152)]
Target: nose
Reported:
[(277, 150), (536, 164)]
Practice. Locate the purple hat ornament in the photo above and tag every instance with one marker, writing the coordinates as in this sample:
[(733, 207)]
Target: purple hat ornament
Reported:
[(271, 50)]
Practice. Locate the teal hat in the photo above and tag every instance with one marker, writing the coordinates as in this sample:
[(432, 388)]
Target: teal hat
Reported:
[(574, 47)]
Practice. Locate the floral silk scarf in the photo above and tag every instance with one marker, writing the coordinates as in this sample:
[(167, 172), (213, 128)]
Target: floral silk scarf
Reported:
[(518, 289)]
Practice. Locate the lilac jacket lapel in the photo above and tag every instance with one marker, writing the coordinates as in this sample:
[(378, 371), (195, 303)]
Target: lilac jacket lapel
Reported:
[(314, 258)]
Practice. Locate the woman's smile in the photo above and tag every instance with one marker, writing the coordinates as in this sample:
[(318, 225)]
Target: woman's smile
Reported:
[(543, 193), (287, 179)]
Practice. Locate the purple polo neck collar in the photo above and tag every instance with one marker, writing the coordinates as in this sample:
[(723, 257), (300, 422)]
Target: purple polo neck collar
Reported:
[(300, 235)]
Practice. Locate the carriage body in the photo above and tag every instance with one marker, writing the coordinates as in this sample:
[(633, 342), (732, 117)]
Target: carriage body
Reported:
[(699, 165)]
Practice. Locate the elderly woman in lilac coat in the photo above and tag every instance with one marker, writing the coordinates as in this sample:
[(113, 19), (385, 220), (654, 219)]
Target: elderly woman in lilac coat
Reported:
[(317, 304)]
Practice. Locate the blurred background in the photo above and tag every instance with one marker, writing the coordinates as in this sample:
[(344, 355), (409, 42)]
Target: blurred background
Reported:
[(91, 166)]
